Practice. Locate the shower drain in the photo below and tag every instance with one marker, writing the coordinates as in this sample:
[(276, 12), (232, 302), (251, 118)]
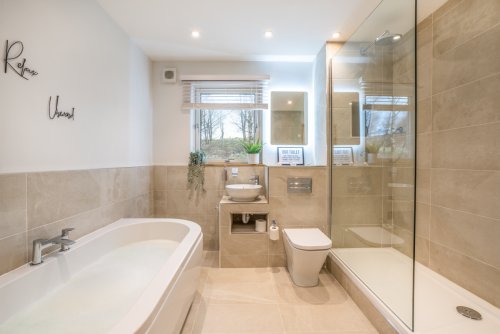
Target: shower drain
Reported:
[(469, 313)]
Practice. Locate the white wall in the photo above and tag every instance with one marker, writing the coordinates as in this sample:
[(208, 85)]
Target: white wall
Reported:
[(81, 55), (172, 125), (320, 98)]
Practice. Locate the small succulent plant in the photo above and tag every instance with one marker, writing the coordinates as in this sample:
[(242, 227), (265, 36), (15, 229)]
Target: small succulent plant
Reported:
[(252, 147)]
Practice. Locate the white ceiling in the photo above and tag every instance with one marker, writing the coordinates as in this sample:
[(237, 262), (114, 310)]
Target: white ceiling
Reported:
[(234, 29)]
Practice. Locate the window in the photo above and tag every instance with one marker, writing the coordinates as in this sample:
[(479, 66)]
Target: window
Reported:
[(226, 112)]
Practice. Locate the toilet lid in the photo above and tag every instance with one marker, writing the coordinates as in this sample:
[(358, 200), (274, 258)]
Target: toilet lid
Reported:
[(308, 238)]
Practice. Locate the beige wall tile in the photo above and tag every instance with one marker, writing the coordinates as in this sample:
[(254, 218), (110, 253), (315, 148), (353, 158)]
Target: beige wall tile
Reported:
[(423, 191), (302, 209), (424, 83), (424, 150), (424, 41), (467, 148), (277, 260), (160, 203), (471, 235), (366, 210), (403, 214), (177, 178), (473, 60), (424, 115), (12, 204), (244, 244), (422, 250), (423, 219), (463, 22), (471, 191), (14, 252), (57, 195), (352, 181), (477, 277), (472, 104), (445, 8), (160, 178)]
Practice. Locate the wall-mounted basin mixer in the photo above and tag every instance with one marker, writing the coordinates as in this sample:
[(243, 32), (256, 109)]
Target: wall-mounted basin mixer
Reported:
[(40, 244), (255, 179)]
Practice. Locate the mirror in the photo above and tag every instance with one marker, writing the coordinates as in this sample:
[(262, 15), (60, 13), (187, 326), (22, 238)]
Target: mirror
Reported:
[(345, 118), (288, 118)]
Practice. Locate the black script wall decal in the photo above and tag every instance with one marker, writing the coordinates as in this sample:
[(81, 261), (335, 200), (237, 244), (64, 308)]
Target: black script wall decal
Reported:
[(12, 52), (55, 112)]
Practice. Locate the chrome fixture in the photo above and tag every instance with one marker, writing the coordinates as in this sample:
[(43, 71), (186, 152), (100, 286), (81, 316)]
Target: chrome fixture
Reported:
[(245, 218), (469, 312), (299, 185), (40, 244), (386, 38), (255, 179)]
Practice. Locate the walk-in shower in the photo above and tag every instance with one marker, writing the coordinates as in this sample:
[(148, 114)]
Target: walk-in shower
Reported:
[(373, 122)]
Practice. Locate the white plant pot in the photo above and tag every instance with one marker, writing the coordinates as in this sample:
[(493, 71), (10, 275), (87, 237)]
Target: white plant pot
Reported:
[(372, 158), (253, 159)]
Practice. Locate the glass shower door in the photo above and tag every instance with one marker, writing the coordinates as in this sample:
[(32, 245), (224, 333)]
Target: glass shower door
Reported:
[(373, 114)]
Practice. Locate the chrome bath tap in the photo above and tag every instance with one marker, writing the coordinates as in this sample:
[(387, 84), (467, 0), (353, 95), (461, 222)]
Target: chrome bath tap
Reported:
[(41, 244)]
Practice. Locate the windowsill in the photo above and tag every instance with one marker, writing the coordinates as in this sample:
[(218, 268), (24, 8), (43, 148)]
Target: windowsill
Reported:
[(235, 164)]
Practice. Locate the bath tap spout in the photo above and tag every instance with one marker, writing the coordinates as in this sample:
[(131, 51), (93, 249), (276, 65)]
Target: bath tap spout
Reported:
[(40, 244)]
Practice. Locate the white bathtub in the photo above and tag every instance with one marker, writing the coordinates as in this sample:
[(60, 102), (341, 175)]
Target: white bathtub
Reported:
[(389, 275), (132, 276)]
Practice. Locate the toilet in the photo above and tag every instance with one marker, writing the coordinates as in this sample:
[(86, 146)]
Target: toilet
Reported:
[(306, 250)]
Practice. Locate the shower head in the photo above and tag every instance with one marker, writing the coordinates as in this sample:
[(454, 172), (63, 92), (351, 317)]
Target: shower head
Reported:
[(386, 38)]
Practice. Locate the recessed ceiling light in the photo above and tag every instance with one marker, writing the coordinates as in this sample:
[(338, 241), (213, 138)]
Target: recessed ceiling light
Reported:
[(268, 34), (290, 102), (336, 35), (195, 34)]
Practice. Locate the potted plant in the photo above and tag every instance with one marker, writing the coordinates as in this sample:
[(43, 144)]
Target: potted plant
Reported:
[(253, 149), (196, 170), (372, 149)]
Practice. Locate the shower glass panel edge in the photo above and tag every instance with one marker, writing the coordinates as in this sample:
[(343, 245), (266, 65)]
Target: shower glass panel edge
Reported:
[(372, 199)]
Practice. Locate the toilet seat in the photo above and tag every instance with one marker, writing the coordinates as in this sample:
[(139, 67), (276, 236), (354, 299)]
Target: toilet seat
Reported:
[(307, 238)]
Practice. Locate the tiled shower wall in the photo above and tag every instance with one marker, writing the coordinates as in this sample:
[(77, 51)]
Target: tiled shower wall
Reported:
[(39, 205), (458, 158)]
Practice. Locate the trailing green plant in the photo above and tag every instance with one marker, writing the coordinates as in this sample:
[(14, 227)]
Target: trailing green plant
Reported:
[(196, 170), (252, 147)]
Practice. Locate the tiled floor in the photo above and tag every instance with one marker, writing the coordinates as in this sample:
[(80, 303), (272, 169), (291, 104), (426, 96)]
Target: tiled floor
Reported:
[(264, 300)]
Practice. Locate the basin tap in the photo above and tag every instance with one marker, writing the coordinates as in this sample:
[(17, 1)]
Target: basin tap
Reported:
[(40, 244), (255, 179)]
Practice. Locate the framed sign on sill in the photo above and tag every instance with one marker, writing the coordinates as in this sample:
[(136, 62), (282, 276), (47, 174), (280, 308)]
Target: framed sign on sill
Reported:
[(292, 156), (343, 156)]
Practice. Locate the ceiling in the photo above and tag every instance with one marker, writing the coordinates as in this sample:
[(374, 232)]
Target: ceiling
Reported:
[(234, 29)]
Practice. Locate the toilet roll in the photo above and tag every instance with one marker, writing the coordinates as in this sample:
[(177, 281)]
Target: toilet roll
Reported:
[(274, 232), (260, 225)]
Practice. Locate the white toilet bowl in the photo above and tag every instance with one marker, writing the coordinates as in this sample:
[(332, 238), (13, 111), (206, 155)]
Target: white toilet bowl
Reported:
[(306, 250)]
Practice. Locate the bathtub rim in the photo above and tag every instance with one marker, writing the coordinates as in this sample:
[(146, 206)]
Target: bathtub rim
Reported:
[(165, 278)]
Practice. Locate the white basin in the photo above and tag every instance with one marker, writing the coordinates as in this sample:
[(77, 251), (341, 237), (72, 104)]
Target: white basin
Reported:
[(243, 192)]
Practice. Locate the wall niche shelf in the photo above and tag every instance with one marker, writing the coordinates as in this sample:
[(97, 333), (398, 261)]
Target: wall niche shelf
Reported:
[(239, 227)]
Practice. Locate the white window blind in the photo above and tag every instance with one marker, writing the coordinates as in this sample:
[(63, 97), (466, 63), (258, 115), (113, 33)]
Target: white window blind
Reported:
[(225, 94)]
